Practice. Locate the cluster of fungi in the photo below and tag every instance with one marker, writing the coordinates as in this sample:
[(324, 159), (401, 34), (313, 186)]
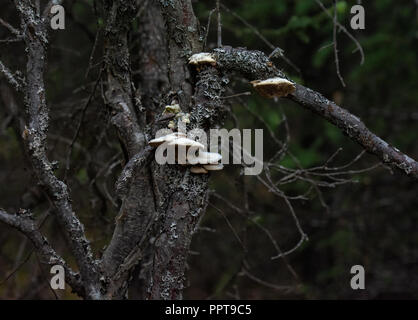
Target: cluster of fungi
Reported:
[(202, 162), (195, 156)]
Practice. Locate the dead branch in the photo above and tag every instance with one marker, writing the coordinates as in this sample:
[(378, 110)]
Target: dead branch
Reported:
[(25, 223), (35, 136), (255, 65)]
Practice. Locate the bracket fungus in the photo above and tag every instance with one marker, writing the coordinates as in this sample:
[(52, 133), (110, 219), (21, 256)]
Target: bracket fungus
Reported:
[(201, 163), (274, 87), (202, 58), (167, 138), (213, 167), (198, 170), (204, 157), (188, 143)]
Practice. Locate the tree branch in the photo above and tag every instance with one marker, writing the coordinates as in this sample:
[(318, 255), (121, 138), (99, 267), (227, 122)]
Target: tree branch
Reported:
[(255, 65), (10, 27), (10, 77), (119, 93), (355, 129), (25, 223), (139, 161), (134, 185), (35, 136)]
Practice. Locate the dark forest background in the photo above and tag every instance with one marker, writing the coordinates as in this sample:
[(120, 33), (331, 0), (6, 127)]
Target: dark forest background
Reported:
[(371, 221)]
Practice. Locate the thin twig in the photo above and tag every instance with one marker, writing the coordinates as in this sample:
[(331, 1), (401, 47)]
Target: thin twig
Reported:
[(218, 11), (344, 29), (83, 112), (208, 28), (10, 27), (334, 36), (276, 50), (10, 77)]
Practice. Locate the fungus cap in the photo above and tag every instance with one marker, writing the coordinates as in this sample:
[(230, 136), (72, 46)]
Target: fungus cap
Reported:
[(213, 167), (274, 87), (167, 138), (181, 141), (198, 170), (204, 158), (202, 58)]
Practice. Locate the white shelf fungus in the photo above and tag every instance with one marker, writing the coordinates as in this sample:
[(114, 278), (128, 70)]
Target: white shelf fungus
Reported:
[(201, 163), (213, 167), (204, 158), (186, 143), (202, 58), (274, 87), (198, 170), (167, 138)]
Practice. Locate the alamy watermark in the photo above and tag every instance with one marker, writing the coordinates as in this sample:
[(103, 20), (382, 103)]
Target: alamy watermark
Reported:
[(358, 280), (58, 17), (358, 21), (58, 280), (245, 150)]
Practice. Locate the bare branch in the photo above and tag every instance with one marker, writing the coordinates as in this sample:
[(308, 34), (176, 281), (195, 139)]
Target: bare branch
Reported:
[(10, 28), (35, 136), (277, 52), (334, 36), (255, 65), (134, 186), (120, 95), (355, 129), (25, 223), (286, 289), (218, 12), (208, 27), (10, 77), (137, 162), (344, 29)]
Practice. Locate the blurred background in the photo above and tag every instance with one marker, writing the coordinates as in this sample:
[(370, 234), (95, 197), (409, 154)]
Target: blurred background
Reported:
[(368, 218)]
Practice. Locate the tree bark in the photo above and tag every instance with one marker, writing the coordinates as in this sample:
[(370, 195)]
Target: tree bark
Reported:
[(160, 205)]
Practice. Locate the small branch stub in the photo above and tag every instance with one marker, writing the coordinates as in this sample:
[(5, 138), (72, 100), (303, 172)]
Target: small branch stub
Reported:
[(274, 87)]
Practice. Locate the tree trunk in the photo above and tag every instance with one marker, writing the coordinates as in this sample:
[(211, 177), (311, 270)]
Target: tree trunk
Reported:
[(160, 205)]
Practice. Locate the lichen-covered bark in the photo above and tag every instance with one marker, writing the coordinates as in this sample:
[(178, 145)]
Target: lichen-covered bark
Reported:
[(137, 209), (183, 197), (35, 134), (180, 196), (120, 95), (256, 65), (24, 222), (160, 205), (153, 61), (355, 129)]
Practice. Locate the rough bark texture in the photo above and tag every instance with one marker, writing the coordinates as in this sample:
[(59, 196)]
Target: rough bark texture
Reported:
[(24, 222), (36, 40), (255, 65), (160, 206)]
